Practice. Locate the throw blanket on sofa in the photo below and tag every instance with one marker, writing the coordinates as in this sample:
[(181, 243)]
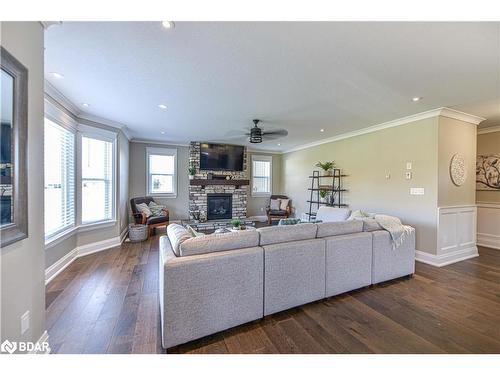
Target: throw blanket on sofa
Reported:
[(396, 229)]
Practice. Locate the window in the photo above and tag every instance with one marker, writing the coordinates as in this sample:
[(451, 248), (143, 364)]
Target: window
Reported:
[(161, 171), (59, 171), (262, 167), (97, 182)]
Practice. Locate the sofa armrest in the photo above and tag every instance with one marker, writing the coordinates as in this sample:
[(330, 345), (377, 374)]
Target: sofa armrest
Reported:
[(207, 293)]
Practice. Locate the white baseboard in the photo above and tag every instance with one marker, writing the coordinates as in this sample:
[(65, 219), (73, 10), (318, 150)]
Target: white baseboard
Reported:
[(81, 251), (40, 344), (488, 240), (95, 247), (446, 259), (60, 265)]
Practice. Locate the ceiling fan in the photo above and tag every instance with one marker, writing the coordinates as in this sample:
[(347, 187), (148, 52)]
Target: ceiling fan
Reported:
[(257, 134)]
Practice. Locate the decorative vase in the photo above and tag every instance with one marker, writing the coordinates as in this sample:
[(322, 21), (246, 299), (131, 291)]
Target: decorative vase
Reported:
[(191, 177), (329, 173)]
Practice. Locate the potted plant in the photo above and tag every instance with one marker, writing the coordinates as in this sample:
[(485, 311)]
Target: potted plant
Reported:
[(191, 171), (236, 223), (326, 166), (324, 196)]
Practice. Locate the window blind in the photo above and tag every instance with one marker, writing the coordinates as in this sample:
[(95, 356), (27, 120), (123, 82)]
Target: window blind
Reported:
[(59, 172), (97, 180)]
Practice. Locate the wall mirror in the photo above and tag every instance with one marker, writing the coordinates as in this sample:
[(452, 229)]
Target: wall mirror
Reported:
[(13, 150)]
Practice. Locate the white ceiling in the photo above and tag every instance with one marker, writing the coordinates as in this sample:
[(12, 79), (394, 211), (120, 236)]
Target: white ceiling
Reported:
[(215, 77)]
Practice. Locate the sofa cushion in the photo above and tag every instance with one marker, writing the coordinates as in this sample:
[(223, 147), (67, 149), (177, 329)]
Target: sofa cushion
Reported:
[(339, 228), (286, 233), (219, 242), (177, 234), (329, 214), (156, 219)]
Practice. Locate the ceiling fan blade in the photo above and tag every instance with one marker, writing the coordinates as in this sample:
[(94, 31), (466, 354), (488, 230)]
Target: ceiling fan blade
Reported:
[(278, 132)]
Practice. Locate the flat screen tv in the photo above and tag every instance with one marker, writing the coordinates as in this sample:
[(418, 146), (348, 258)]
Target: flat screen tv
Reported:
[(218, 157)]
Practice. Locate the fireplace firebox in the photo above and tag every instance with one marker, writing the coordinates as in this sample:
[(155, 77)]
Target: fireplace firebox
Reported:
[(219, 206)]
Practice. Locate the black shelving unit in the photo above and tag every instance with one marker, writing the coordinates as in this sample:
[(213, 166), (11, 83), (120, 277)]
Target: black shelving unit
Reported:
[(333, 185)]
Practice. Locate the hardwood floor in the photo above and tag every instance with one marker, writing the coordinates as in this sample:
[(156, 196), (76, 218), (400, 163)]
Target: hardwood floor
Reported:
[(108, 303)]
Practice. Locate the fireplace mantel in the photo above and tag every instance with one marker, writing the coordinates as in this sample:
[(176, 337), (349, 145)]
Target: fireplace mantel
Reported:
[(206, 182)]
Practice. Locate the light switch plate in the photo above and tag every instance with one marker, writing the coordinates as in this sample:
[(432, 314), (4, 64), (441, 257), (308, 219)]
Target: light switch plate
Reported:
[(408, 165), (25, 322), (417, 191)]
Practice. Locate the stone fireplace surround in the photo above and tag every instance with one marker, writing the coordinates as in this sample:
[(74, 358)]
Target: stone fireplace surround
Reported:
[(198, 194)]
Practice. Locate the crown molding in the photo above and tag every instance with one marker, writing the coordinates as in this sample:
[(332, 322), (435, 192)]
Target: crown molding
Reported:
[(445, 112), (102, 121), (47, 24), (490, 129), (61, 100), (54, 96), (153, 142), (462, 116)]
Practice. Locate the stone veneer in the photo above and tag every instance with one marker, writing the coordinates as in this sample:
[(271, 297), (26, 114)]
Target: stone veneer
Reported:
[(198, 194)]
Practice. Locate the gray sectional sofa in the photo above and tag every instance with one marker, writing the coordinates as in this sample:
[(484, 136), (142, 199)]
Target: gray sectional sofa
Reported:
[(215, 282)]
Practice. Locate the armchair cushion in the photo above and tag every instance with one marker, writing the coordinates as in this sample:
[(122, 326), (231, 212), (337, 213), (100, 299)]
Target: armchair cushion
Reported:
[(156, 209), (143, 208), (274, 205), (156, 219), (277, 212), (284, 204)]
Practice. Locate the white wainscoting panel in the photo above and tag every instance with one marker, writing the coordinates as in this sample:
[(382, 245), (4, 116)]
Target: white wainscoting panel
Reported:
[(456, 236), (488, 224)]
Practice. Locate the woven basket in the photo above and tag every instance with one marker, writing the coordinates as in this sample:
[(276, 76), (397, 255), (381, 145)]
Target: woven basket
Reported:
[(137, 232)]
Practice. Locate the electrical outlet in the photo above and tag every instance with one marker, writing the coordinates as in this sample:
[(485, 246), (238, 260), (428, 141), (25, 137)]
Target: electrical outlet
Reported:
[(25, 322), (387, 175), (408, 175), (417, 191), (262, 209), (408, 165)]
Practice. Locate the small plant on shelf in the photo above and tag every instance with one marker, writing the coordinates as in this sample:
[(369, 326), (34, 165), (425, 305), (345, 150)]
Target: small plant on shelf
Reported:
[(191, 171), (323, 195), (236, 223), (326, 166)]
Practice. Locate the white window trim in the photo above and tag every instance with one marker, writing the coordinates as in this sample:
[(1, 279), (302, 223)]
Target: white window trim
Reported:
[(59, 117), (256, 157), (104, 135), (161, 151)]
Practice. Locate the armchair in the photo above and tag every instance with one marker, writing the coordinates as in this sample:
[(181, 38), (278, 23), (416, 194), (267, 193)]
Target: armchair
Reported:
[(152, 221), (278, 214)]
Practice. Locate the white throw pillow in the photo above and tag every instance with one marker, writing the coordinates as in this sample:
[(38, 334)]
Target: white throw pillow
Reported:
[(275, 204), (284, 204), (143, 208), (330, 214)]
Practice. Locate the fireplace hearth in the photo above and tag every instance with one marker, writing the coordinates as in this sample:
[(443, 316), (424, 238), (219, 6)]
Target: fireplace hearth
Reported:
[(219, 206)]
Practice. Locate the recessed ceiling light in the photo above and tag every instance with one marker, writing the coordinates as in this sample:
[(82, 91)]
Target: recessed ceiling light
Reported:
[(162, 106), (416, 98), (321, 130), (279, 144), (162, 132), (56, 75), (85, 105), (168, 24)]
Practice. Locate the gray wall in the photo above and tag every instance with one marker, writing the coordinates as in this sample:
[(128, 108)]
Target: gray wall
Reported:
[(179, 206), (367, 159), (256, 206), (23, 263)]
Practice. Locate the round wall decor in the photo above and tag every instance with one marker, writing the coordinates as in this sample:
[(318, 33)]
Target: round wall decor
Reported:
[(458, 170)]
